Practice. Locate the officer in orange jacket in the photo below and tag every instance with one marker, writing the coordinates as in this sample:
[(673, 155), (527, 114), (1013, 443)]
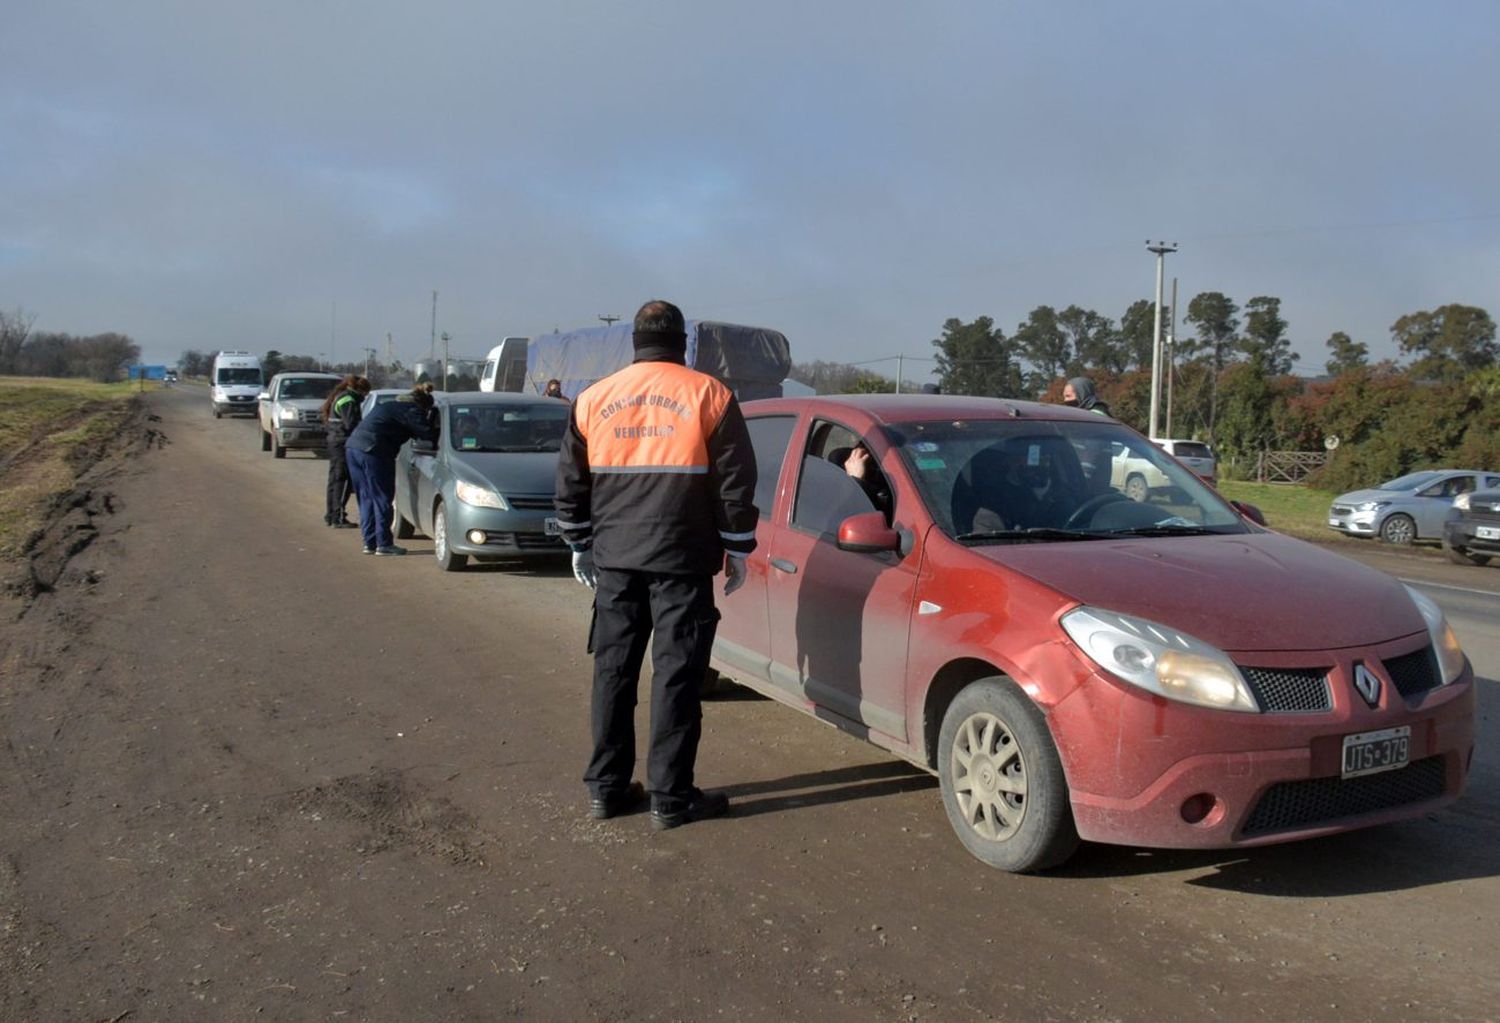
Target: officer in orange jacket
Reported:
[(655, 495)]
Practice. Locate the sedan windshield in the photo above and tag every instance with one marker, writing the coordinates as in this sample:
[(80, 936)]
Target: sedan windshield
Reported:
[(1012, 480), (307, 387), (507, 427), (1411, 481)]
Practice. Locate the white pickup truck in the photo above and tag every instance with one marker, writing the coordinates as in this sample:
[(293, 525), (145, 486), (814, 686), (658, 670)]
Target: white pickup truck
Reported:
[(291, 412)]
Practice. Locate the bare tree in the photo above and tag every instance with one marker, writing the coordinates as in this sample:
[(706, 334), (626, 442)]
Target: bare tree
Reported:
[(15, 328)]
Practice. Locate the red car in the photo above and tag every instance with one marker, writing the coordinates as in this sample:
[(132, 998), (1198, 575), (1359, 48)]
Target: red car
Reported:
[(956, 580)]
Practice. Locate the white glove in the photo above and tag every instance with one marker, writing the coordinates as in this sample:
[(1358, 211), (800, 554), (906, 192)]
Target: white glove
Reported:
[(583, 568), (735, 573)]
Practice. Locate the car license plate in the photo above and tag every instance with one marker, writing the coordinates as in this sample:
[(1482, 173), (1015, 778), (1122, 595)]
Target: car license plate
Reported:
[(1373, 752), (1487, 532), (551, 528)]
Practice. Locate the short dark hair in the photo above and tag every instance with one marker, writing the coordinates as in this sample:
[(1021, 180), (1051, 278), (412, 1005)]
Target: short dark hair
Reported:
[(659, 317)]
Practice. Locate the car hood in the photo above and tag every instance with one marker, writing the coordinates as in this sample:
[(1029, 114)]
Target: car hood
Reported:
[(1360, 496), (518, 472), (1257, 591)]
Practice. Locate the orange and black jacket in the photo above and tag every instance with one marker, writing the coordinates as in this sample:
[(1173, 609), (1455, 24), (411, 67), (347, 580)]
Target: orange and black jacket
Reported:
[(656, 471)]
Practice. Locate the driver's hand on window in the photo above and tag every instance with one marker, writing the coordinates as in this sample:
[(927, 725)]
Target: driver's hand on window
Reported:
[(858, 463)]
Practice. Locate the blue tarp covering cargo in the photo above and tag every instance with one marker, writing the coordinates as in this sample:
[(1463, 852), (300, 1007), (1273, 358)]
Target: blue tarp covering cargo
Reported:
[(753, 361)]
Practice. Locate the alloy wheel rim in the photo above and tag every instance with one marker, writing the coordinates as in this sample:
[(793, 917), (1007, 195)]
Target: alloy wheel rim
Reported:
[(1398, 531), (989, 777), (440, 535)]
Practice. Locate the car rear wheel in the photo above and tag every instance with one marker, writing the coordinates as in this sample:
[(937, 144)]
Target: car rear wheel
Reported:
[(1135, 487), (446, 559), (1398, 529), (265, 441), (1002, 780), (1462, 556), (218, 414)]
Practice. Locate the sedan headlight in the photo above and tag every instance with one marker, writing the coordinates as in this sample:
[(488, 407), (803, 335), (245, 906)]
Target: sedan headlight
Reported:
[(1450, 655), (290, 415), (480, 497), (1461, 502), (1371, 505), (1159, 659)]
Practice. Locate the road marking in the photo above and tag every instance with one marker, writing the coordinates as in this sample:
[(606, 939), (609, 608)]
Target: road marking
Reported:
[(1444, 586)]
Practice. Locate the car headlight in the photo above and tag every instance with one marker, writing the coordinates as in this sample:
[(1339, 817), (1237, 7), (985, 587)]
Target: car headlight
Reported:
[(1159, 659), (1371, 505), (1450, 655), (480, 497), (1461, 502), (290, 415)]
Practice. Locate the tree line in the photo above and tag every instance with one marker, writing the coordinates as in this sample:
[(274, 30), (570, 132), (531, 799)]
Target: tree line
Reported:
[(28, 353)]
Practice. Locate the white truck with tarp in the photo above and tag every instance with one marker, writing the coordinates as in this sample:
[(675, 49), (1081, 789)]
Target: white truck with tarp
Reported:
[(752, 361)]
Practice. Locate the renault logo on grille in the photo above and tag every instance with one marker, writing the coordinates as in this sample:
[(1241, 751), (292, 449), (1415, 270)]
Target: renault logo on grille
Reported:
[(1367, 684)]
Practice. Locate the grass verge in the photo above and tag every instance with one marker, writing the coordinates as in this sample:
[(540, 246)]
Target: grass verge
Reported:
[(50, 432)]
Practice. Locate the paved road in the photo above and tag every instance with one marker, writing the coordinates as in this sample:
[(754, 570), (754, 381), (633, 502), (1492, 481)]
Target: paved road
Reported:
[(254, 772)]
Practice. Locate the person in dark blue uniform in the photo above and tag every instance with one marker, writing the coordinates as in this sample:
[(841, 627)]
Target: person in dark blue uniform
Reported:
[(371, 451), (340, 417)]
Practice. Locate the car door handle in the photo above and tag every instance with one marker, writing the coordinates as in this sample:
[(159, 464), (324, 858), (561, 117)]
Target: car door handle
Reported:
[(783, 565)]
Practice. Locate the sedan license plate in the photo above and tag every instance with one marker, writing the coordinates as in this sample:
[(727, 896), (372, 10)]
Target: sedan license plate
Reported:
[(1373, 752), (1488, 532), (551, 528)]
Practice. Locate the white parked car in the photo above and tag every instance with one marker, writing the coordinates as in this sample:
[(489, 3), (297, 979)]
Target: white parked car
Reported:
[(1194, 454)]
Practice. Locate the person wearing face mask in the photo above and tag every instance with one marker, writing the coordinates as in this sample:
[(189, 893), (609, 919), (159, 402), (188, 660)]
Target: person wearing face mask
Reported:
[(1079, 392)]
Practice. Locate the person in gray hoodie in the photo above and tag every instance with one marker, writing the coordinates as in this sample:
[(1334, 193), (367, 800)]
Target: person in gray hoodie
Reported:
[(1079, 392)]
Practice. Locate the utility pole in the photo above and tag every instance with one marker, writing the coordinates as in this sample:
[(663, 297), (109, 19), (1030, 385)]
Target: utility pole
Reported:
[(432, 346), (609, 320), (899, 362), (1161, 249), (369, 358), (446, 339), (333, 331), (1171, 356), (390, 349)]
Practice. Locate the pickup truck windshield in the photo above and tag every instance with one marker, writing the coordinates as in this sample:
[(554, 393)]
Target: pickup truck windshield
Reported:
[(305, 387), (1015, 480), (498, 427)]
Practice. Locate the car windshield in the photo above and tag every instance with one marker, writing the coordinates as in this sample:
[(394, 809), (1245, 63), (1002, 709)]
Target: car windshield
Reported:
[(306, 387), (503, 426), (238, 375), (1012, 480), (1411, 481)]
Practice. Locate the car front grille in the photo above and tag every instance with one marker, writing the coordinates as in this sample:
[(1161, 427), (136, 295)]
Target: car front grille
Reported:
[(311, 415), (1289, 690), (1290, 805), (530, 502), (1484, 510), (1414, 673), (524, 542)]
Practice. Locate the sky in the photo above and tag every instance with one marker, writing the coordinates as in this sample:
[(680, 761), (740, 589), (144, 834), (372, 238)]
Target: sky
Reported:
[(303, 175)]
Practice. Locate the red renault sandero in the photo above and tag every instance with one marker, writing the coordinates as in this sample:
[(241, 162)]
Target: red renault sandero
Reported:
[(959, 581)]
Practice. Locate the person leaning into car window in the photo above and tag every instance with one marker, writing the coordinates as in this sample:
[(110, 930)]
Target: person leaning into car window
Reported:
[(340, 417), (371, 452)]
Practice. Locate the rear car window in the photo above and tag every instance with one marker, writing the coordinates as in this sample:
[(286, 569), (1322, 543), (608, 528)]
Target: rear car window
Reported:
[(1191, 449)]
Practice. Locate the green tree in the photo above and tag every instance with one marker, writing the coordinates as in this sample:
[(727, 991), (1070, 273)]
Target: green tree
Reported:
[(975, 358), (1137, 332), (1265, 341), (1213, 316), (1095, 342), (1448, 342), (272, 363), (1345, 353), (1043, 343)]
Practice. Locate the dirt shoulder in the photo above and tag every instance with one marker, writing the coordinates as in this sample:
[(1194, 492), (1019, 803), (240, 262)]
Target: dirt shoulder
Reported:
[(246, 772)]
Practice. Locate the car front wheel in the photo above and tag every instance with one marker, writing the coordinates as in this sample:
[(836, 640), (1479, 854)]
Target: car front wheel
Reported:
[(446, 559), (1463, 556), (1135, 487), (265, 441), (1002, 779), (1398, 529)]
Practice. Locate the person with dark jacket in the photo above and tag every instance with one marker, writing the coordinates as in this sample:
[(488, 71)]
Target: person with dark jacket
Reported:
[(340, 417), (655, 496), (371, 452), (1079, 392)]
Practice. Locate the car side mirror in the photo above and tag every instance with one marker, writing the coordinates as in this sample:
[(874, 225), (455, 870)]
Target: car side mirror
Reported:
[(263, 396), (1250, 512), (867, 533)]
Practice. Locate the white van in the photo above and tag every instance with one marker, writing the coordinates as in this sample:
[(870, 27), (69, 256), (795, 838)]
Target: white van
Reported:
[(505, 366), (235, 383)]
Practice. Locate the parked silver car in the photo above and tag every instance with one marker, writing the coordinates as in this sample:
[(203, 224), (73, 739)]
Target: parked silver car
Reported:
[(1411, 507), (484, 491)]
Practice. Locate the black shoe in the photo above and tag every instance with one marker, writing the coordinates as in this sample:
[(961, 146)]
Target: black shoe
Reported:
[(342, 524), (602, 808), (369, 550), (701, 807), (391, 551)]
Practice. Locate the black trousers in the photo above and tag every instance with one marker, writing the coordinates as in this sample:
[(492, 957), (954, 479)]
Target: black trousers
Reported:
[(628, 608), (339, 487)]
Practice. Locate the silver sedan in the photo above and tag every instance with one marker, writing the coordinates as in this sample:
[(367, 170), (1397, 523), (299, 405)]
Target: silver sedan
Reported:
[(1411, 507)]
